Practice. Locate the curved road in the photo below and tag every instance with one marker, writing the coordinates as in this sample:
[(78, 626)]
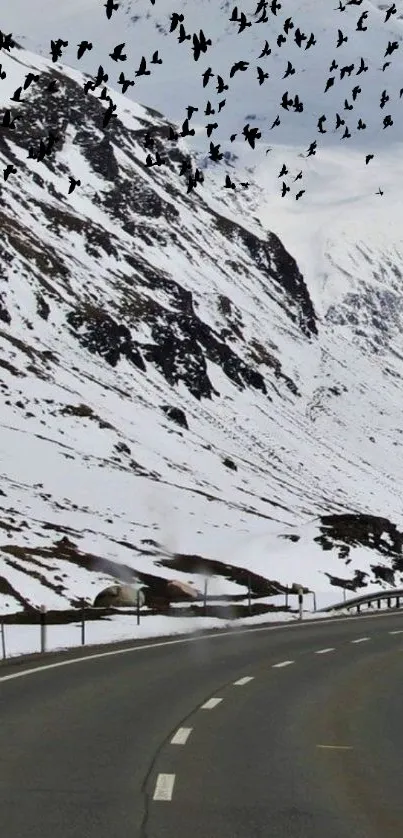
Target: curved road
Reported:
[(304, 749)]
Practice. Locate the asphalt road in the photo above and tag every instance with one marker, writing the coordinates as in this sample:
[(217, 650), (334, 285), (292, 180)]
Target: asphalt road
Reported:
[(303, 750)]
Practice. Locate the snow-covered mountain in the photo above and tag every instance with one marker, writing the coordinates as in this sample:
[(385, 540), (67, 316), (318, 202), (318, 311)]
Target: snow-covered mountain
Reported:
[(210, 372)]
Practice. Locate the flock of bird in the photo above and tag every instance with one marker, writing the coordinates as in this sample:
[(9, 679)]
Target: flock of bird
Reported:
[(200, 45)]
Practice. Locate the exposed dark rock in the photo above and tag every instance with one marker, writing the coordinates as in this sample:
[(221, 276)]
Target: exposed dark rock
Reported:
[(230, 463), (177, 415)]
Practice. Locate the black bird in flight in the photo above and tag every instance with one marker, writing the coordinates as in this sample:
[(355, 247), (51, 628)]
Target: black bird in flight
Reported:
[(207, 75), (149, 141), (229, 183), (251, 134), (333, 66), (368, 158), (355, 91), (101, 77), (210, 128), (347, 107), (109, 114), (341, 38), (110, 7), (215, 153), (265, 51), (274, 7), (275, 123), (299, 194), (6, 41), (16, 95), (175, 19), (362, 68), (284, 189), (56, 48), (142, 69), (298, 177), (172, 134), (311, 42), (384, 99), (191, 110), (155, 59), (283, 171), (389, 12), (220, 85), (186, 131), (321, 120), (243, 23), (9, 170), (360, 23), (379, 192), (346, 134), (7, 121), (340, 7), (261, 75), (73, 184), (82, 47), (3, 73), (126, 83), (244, 185), (288, 24), (299, 37), (53, 86), (391, 47), (281, 40), (116, 55), (221, 105), (289, 71), (361, 125), (232, 138), (209, 110), (339, 121), (386, 64), (29, 78), (388, 121), (329, 83), (285, 101), (239, 65), (182, 35), (312, 149)]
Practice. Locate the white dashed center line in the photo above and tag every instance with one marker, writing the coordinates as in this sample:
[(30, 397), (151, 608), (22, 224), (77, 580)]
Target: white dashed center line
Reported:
[(323, 651), (243, 681), (399, 631), (164, 787), (283, 663), (211, 703), (360, 640), (181, 736)]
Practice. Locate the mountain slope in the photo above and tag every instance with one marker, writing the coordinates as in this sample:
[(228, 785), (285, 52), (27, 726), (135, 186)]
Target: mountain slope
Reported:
[(169, 375)]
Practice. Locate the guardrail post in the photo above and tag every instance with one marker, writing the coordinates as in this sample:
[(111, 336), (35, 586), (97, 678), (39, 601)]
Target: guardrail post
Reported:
[(43, 627), (358, 608), (388, 601), (379, 603), (344, 594), (138, 607), (397, 602), (205, 597), (300, 602), (83, 622), (249, 596), (3, 640)]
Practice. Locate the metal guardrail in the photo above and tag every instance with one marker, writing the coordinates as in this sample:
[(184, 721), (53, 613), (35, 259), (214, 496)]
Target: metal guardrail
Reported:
[(356, 602)]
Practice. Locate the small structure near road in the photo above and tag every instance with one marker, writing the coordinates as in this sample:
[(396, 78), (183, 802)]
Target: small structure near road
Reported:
[(120, 596)]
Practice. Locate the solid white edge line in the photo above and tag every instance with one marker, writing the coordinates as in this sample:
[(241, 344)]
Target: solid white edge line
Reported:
[(283, 663), (164, 787), (181, 736), (323, 651), (210, 704), (242, 681), (212, 636)]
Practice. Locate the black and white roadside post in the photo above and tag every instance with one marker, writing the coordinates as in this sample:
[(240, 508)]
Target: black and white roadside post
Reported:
[(3, 640), (344, 594), (300, 599), (314, 600), (83, 622), (205, 596), (43, 628)]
